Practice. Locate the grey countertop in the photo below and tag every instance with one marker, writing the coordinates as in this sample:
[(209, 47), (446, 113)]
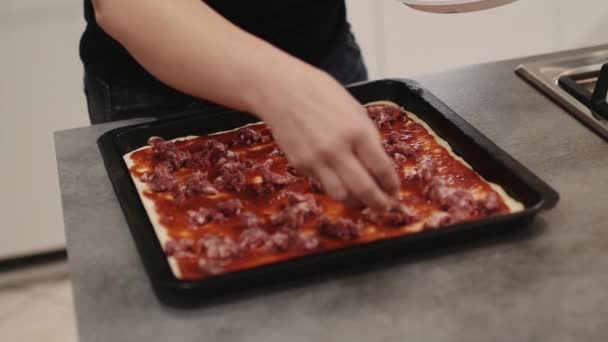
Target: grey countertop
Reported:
[(546, 285)]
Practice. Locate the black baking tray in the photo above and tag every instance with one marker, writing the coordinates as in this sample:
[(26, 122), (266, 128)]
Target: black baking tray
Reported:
[(488, 159)]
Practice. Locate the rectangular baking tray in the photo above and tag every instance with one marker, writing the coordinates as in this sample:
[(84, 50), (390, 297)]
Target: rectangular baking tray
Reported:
[(489, 160)]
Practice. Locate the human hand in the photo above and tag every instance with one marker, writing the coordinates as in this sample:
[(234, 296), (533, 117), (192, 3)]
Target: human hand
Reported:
[(325, 133)]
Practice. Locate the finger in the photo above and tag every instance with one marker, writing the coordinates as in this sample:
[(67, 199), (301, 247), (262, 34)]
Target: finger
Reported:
[(353, 203), (378, 164), (359, 182), (300, 158), (331, 183)]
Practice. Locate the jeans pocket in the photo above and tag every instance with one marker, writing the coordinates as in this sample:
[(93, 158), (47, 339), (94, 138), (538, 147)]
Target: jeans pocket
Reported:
[(111, 101), (128, 103), (345, 62), (351, 43)]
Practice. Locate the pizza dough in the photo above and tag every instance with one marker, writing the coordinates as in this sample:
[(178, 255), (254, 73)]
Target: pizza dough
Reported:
[(290, 219)]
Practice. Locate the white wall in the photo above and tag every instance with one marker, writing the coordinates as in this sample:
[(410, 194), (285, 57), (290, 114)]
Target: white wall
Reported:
[(581, 23), (407, 42), (40, 87)]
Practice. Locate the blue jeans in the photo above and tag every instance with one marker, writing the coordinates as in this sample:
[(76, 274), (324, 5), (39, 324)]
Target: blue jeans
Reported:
[(110, 102)]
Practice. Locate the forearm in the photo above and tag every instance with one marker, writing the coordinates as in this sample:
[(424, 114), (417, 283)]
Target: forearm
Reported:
[(323, 130), (190, 47)]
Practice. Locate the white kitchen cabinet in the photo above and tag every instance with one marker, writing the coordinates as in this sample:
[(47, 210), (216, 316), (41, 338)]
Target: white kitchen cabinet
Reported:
[(40, 92)]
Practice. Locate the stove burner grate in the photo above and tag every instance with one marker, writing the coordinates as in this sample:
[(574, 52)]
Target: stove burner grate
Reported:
[(581, 87)]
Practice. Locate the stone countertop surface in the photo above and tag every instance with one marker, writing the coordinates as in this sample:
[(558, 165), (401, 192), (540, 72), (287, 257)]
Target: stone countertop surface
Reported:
[(546, 284)]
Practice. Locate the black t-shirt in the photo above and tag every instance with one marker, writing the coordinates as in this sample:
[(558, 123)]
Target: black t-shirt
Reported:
[(306, 29)]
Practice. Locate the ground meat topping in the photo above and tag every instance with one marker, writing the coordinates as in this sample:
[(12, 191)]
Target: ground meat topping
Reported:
[(212, 266), (198, 184), (214, 150), (292, 170), (382, 120), (271, 181), (160, 145), (231, 207), (257, 239), (204, 215), (395, 145), (402, 148), (276, 179), (294, 198), (280, 241), (230, 167), (458, 202), (276, 153), (183, 248), (253, 238), (217, 247), (197, 160), (394, 138), (384, 116), (489, 204), (249, 137), (315, 185), (230, 156), (177, 158), (250, 220), (396, 216), (308, 241), (438, 219), (300, 208), (162, 179), (426, 168), (263, 167), (448, 196), (399, 158), (340, 228), (234, 181), (166, 150), (217, 252)]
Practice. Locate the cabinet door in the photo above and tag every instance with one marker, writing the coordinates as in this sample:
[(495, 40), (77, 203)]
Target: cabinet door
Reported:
[(40, 92), (418, 42)]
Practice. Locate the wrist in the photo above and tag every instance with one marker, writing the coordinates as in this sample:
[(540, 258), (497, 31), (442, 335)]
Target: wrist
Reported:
[(279, 86)]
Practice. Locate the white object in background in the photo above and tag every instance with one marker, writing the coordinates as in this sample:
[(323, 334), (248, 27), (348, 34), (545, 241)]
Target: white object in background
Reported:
[(37, 96), (454, 6)]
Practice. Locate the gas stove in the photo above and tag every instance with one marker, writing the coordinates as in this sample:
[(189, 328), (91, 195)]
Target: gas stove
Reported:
[(577, 80)]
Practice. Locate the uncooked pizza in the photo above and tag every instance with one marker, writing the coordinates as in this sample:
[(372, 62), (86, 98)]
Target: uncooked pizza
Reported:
[(230, 201)]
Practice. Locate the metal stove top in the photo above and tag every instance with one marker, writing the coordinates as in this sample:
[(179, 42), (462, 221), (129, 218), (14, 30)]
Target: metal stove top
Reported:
[(547, 71)]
